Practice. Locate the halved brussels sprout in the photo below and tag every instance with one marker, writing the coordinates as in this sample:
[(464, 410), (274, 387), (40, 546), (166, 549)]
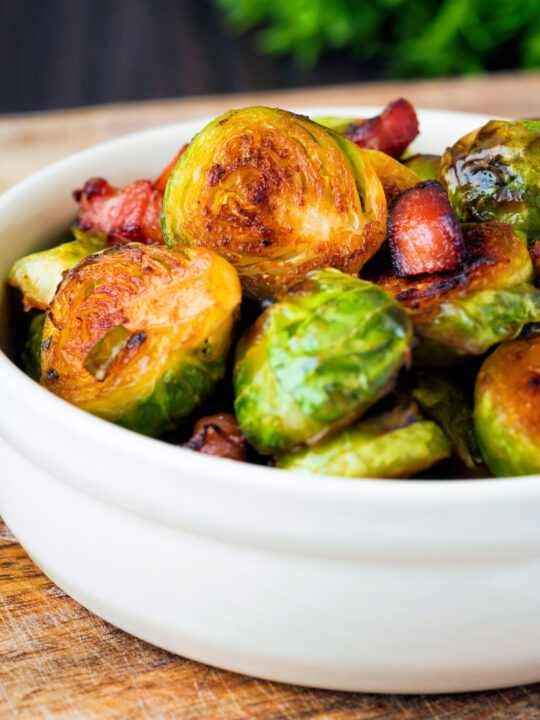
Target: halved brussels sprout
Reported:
[(393, 445), (487, 299), (443, 400), (37, 275), (317, 359), (507, 408), (139, 334), (277, 195), (31, 352), (394, 176), (425, 166), (338, 124), (493, 173)]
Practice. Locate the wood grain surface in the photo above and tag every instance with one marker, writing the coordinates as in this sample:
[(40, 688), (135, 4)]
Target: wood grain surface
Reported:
[(60, 662)]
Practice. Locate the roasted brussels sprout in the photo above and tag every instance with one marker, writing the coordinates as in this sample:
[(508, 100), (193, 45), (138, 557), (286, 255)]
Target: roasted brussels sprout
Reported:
[(397, 444), (444, 401), (277, 195), (493, 173), (139, 334), (394, 176), (38, 274), (31, 352), (507, 408), (489, 298), (425, 166), (317, 359)]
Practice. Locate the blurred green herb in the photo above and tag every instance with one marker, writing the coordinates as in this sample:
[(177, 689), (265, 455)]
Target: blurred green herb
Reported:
[(421, 38)]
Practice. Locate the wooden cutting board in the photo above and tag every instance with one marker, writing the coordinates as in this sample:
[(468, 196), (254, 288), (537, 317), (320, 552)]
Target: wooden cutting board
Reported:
[(60, 662)]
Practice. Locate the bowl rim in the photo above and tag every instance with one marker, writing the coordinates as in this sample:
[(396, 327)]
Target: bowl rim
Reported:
[(237, 474)]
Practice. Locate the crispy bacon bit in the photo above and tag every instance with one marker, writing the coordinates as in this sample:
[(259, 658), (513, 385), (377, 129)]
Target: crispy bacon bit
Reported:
[(423, 231), (219, 435), (131, 214), (534, 252), (128, 215), (95, 187), (161, 182), (391, 131), (490, 247)]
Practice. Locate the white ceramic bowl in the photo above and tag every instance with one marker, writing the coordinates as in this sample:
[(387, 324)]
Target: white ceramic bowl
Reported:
[(417, 586)]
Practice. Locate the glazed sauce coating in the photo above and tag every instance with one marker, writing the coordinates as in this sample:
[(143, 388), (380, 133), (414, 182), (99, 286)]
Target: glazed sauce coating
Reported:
[(275, 194)]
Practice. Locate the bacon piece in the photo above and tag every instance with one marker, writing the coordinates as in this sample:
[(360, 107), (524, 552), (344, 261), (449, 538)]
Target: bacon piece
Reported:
[(128, 215), (131, 214), (161, 182), (391, 131), (423, 231), (534, 252), (219, 435)]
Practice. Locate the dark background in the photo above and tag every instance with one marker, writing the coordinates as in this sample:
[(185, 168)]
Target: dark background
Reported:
[(68, 53)]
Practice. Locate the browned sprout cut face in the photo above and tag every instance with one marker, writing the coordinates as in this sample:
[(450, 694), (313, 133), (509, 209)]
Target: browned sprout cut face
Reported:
[(507, 408), (139, 334), (277, 195), (487, 299)]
